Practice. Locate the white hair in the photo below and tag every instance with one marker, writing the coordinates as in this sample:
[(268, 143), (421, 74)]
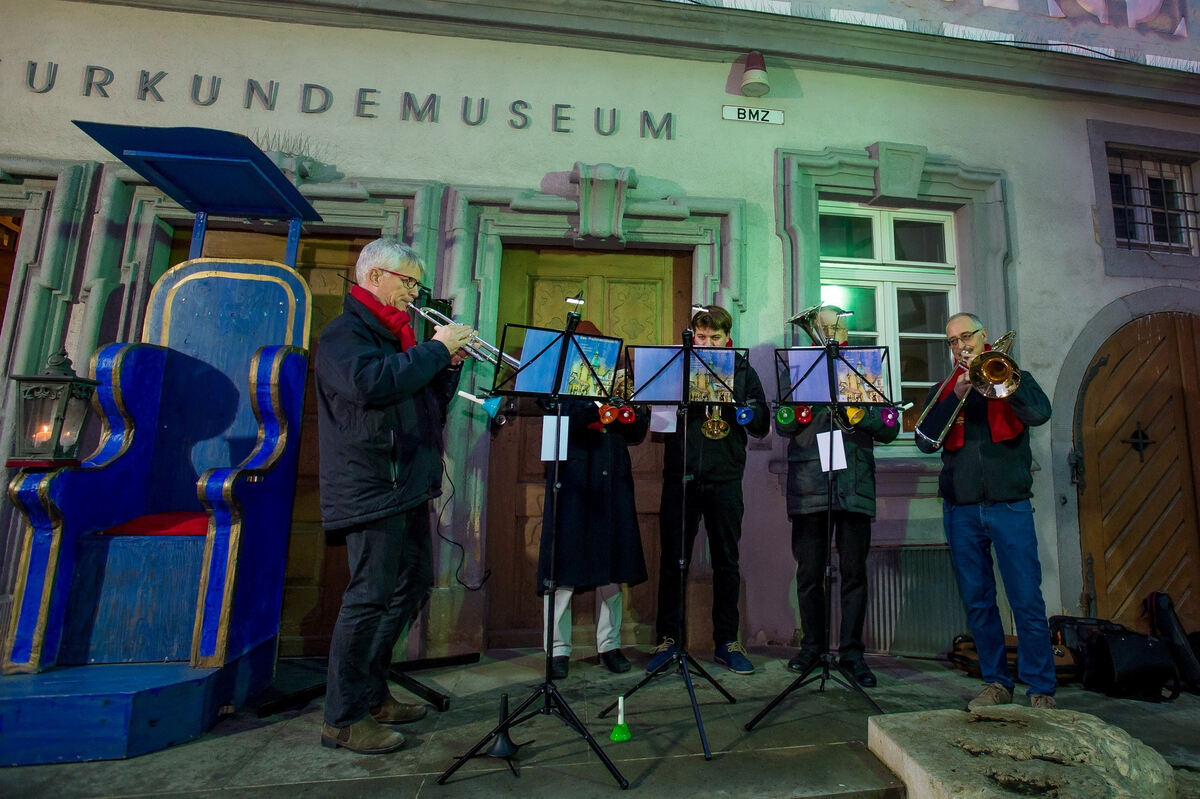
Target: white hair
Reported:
[(384, 253)]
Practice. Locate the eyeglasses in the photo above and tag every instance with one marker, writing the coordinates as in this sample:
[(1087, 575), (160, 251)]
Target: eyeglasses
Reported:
[(409, 282), (964, 339)]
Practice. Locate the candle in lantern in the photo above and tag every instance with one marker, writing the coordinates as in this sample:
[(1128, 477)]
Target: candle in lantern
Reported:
[(42, 436)]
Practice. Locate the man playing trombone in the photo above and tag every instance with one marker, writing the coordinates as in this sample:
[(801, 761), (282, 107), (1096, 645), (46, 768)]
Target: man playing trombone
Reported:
[(981, 420)]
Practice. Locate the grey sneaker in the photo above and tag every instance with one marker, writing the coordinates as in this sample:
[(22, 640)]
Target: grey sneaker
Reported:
[(1042, 702), (993, 693)]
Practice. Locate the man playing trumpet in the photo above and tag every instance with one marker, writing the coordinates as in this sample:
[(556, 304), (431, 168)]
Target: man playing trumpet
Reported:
[(381, 405), (986, 484)]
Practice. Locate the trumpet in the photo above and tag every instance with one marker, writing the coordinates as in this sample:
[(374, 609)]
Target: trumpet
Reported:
[(994, 374), (477, 348)]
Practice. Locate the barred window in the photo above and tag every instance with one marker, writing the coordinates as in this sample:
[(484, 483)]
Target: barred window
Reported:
[(1154, 202)]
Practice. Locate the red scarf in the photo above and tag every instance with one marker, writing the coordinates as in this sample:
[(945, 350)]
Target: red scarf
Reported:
[(1002, 422), (394, 319)]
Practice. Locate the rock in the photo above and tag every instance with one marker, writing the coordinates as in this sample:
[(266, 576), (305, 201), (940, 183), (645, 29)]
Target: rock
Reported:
[(1012, 750)]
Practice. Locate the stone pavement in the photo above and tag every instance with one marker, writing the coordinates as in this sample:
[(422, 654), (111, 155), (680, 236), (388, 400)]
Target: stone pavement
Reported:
[(811, 745)]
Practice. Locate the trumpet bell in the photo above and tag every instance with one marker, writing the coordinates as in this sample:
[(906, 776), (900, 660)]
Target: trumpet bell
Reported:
[(994, 375)]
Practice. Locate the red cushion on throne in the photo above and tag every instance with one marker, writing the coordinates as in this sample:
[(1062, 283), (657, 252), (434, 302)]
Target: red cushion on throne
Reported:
[(173, 523)]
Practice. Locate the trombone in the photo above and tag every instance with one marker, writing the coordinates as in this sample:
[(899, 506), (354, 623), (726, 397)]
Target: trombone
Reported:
[(477, 348), (994, 374)]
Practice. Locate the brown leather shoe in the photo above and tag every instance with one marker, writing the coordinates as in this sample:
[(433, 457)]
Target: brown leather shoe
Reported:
[(395, 712), (365, 736)]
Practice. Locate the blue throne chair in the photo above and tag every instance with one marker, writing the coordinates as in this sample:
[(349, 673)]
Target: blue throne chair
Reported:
[(151, 576)]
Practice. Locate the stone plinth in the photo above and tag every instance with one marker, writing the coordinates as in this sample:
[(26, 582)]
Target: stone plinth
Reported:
[(1017, 751)]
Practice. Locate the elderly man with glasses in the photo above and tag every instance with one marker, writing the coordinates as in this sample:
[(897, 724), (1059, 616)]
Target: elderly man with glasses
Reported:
[(381, 406), (986, 485)]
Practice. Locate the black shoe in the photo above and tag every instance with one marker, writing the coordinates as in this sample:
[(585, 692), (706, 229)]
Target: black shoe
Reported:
[(804, 660), (559, 665), (861, 671), (614, 661)]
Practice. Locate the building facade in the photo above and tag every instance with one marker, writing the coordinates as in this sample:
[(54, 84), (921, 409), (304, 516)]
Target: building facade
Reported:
[(1032, 162)]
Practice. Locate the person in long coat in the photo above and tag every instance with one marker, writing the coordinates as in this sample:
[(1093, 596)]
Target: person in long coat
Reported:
[(598, 544)]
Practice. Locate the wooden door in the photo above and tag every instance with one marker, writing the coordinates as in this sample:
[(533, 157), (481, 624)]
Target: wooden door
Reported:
[(643, 298), (1139, 430)]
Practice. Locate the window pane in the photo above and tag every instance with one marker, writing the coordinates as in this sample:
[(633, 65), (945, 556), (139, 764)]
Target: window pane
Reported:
[(923, 360), (846, 236), (916, 396), (919, 241), (859, 299), (862, 340), (1121, 188), (922, 311)]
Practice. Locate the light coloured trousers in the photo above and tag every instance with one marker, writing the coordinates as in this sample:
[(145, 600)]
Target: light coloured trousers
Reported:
[(608, 618)]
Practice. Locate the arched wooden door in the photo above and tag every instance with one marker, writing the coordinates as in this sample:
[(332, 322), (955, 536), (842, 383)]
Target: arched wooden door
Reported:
[(642, 298), (1139, 439)]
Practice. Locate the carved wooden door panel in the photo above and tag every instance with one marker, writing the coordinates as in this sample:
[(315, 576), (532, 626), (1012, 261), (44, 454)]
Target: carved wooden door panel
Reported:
[(643, 298), (1138, 437)]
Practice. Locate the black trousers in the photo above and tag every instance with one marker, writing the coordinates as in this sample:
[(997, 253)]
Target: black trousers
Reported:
[(809, 546), (720, 504), (391, 576)]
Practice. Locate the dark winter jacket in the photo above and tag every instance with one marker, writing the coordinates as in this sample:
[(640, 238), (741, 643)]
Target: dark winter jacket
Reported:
[(719, 460), (854, 486), (600, 542), (380, 414), (983, 470)]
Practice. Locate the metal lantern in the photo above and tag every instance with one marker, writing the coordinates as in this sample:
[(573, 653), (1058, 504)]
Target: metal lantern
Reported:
[(51, 410)]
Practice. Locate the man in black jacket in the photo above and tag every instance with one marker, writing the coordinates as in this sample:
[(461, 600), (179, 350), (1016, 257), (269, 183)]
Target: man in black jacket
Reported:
[(852, 511), (986, 484), (714, 492), (381, 406)]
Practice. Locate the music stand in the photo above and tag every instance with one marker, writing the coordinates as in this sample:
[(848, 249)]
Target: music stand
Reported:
[(554, 364), (679, 376), (836, 377)]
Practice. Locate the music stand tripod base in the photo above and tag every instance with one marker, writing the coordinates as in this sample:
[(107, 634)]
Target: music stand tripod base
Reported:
[(552, 701)]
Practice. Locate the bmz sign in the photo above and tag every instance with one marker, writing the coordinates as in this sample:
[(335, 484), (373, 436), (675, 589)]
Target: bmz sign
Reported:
[(737, 113)]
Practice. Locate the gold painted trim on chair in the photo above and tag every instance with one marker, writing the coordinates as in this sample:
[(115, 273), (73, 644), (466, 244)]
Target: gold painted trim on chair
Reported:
[(211, 273), (39, 630), (119, 401), (233, 551)]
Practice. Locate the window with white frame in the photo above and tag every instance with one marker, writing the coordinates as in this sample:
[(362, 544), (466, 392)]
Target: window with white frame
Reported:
[(895, 269), (1153, 202)]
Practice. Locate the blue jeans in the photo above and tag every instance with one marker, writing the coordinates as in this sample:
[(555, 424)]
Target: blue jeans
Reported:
[(971, 532)]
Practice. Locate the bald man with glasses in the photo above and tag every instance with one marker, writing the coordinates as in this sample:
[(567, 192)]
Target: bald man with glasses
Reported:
[(986, 485)]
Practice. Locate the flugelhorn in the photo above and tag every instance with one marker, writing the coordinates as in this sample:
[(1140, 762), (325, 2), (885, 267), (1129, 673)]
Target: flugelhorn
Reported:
[(477, 348), (994, 374)]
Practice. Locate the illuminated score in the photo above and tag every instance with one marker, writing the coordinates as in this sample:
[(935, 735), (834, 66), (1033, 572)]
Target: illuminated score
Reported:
[(738, 113)]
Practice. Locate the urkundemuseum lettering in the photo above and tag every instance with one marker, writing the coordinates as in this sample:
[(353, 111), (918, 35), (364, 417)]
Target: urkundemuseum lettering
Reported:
[(365, 103)]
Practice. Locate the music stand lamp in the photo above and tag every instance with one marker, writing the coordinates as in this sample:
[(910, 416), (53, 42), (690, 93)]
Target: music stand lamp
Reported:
[(661, 387), (543, 373), (819, 369)]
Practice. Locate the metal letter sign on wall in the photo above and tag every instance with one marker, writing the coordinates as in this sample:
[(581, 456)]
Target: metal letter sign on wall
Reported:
[(737, 113)]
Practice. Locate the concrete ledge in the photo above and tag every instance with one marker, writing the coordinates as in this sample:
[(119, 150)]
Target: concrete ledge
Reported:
[(1016, 751)]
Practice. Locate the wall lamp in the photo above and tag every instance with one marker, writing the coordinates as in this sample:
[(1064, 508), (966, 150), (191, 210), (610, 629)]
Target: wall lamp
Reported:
[(754, 76)]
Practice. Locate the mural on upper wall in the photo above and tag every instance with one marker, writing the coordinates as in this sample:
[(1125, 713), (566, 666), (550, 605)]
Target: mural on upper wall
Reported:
[(1153, 32)]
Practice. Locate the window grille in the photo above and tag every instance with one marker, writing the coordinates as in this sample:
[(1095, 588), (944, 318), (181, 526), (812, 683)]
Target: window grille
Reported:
[(1154, 203)]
